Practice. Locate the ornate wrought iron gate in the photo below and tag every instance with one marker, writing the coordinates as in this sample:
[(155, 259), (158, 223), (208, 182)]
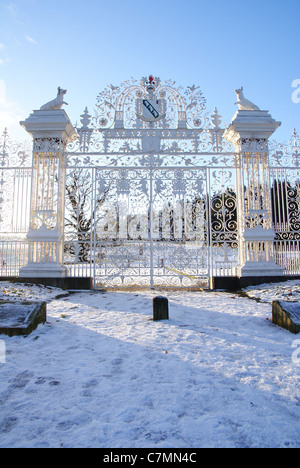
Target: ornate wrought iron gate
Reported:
[(151, 198), (150, 226), (285, 199)]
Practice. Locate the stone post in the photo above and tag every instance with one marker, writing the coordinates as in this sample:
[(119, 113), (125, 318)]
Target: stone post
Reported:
[(160, 308), (51, 131), (250, 131)]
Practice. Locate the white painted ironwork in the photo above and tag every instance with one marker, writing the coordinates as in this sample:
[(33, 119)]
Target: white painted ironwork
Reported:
[(150, 193), (15, 186), (285, 197)]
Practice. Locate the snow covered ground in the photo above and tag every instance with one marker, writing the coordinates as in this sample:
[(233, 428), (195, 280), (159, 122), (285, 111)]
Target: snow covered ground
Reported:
[(101, 373)]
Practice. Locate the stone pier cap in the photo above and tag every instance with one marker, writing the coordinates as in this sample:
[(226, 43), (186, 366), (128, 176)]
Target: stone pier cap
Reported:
[(48, 124), (251, 124)]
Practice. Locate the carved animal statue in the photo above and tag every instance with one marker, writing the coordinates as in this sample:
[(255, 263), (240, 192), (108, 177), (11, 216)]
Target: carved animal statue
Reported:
[(57, 102), (244, 104)]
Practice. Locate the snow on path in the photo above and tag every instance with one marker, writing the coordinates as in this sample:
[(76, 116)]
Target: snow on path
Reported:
[(101, 373)]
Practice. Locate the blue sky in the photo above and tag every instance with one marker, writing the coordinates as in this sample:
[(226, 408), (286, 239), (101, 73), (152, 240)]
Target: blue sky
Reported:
[(85, 45)]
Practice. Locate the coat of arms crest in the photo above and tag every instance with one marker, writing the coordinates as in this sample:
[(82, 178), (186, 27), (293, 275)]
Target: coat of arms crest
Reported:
[(150, 109)]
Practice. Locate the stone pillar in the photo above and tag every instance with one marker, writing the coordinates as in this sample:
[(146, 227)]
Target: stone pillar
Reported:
[(250, 131), (51, 131)]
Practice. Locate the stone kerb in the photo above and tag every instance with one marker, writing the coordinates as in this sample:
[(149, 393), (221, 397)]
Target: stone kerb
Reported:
[(286, 314), (21, 318)]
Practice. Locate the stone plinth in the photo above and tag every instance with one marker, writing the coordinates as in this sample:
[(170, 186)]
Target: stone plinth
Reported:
[(259, 247), (21, 318), (286, 314)]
